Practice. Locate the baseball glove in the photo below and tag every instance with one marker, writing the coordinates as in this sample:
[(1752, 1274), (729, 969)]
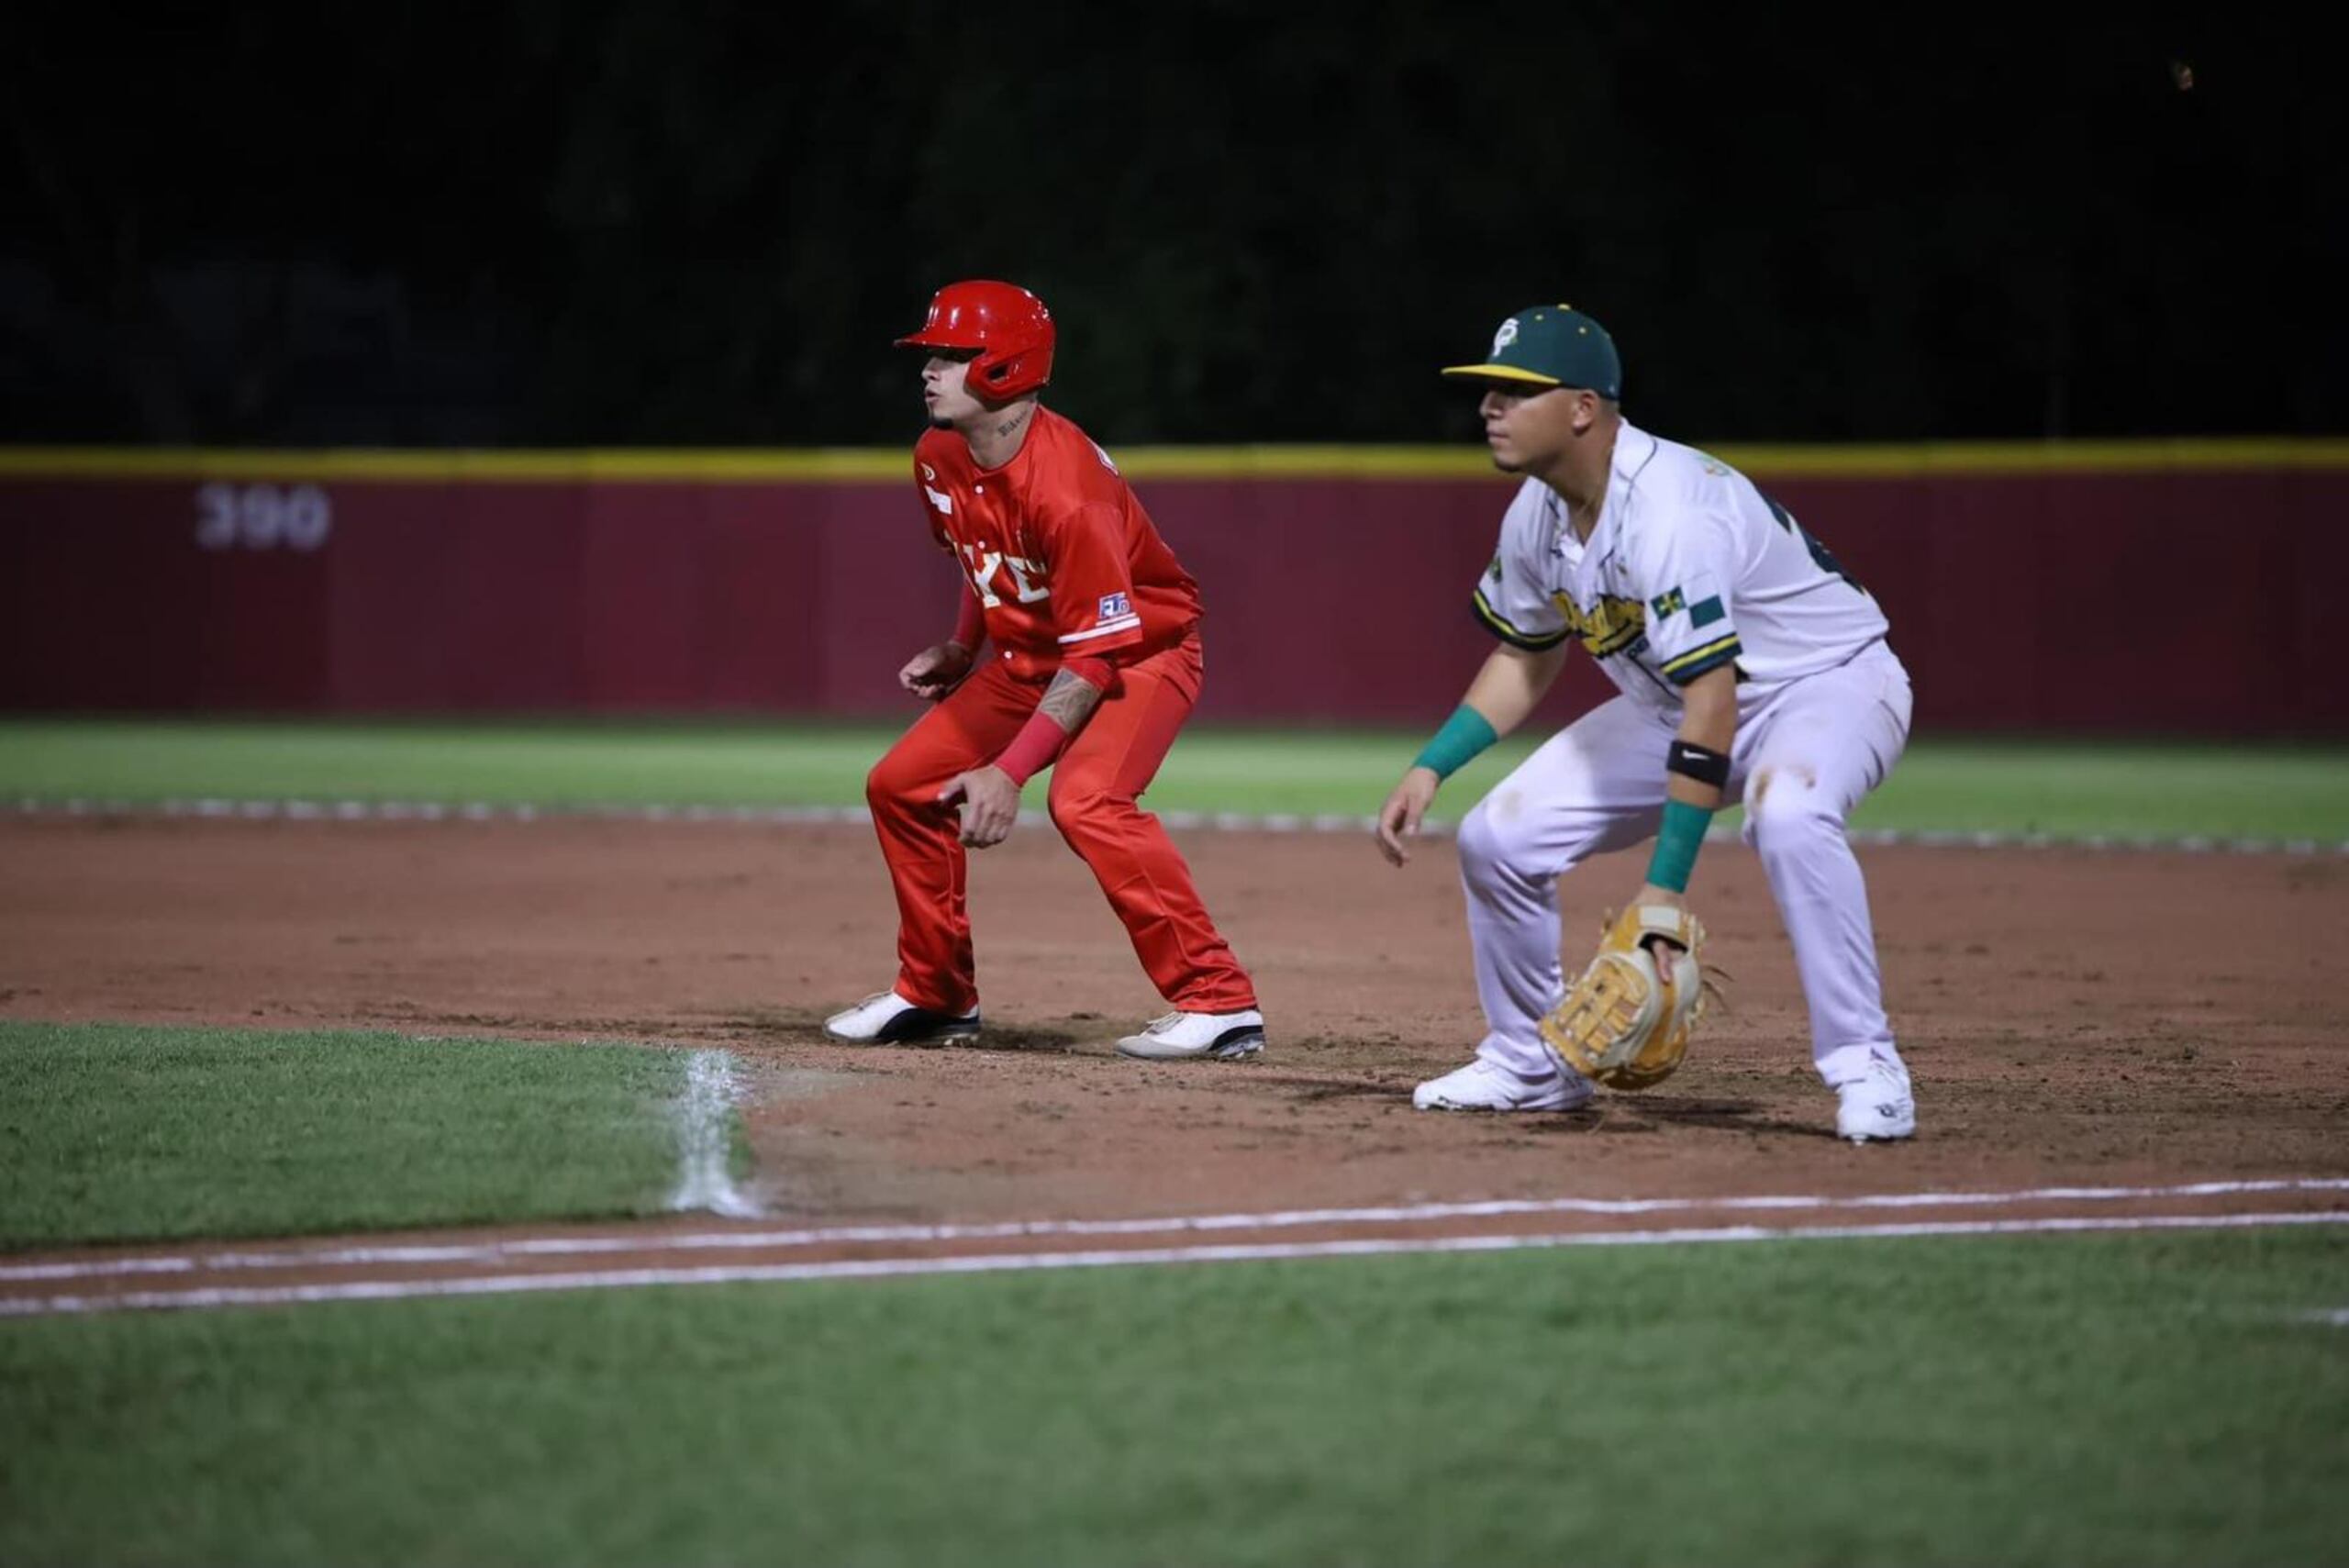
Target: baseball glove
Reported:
[(1626, 1022)]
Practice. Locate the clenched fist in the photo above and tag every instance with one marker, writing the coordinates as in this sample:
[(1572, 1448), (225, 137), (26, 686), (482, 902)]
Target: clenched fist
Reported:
[(935, 670)]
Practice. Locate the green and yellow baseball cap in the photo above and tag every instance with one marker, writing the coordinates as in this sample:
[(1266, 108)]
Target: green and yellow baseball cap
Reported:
[(1550, 345)]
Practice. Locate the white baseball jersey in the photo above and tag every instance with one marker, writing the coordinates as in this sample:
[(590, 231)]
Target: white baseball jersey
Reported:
[(1688, 568)]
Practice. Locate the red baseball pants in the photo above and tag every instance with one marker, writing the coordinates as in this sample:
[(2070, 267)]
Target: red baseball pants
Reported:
[(1094, 787)]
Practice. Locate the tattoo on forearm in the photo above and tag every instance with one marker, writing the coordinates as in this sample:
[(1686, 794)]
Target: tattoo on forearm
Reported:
[(1069, 701)]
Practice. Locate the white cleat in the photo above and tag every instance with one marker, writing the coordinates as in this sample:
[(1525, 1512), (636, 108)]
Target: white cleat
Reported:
[(1182, 1037), (1482, 1087), (887, 1018), (1876, 1107)]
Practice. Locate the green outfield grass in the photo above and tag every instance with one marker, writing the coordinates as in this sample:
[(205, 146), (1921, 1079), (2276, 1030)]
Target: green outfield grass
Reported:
[(2068, 790), (114, 1134), (2125, 1400)]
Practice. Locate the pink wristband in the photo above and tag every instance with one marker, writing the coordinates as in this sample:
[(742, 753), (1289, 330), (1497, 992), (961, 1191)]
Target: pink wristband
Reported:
[(1042, 739)]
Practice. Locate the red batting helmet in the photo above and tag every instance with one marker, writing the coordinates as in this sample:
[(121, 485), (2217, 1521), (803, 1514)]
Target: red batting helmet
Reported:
[(1009, 328)]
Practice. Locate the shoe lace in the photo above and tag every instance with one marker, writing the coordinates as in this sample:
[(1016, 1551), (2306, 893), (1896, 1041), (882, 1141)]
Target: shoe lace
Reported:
[(1160, 1026)]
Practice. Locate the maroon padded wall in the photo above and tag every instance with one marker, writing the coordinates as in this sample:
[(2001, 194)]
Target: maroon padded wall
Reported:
[(2182, 602)]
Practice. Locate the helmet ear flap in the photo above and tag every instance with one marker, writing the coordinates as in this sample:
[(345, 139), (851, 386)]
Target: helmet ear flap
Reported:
[(1003, 376)]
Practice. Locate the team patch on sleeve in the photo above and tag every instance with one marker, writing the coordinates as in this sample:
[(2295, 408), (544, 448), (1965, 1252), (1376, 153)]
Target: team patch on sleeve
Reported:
[(1114, 617), (1689, 626), (1671, 602)]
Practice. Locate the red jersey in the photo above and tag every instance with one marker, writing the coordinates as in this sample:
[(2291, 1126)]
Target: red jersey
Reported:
[(1065, 561)]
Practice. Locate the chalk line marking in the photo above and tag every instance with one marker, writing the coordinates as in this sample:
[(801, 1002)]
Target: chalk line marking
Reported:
[(631, 1279), (751, 1240), (1175, 821), (705, 1114)]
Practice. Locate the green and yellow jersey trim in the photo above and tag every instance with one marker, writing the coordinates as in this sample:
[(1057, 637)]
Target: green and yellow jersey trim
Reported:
[(1492, 621), (1696, 660)]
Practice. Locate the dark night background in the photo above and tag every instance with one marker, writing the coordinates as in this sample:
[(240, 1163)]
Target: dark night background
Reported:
[(526, 222)]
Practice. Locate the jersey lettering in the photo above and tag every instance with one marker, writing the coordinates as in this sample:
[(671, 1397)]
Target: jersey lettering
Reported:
[(1609, 627), (1028, 593), (981, 574), (1025, 587)]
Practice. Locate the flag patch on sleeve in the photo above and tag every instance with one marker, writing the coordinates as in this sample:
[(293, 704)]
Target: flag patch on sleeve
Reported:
[(1114, 605)]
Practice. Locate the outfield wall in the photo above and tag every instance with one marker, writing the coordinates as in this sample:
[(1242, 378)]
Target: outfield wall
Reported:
[(2131, 588)]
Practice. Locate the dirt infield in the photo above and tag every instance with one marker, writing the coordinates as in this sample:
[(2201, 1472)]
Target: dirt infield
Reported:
[(2072, 1017)]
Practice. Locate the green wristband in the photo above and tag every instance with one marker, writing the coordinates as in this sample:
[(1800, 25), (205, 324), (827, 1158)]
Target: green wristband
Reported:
[(1463, 735), (1677, 844)]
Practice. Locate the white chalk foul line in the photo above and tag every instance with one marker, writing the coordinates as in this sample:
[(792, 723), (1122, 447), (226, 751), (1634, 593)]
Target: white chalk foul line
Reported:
[(704, 1116), (1177, 821), (874, 1268), (767, 1239)]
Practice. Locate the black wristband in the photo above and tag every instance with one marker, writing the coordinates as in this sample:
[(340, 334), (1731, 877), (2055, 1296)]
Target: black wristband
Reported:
[(1700, 763)]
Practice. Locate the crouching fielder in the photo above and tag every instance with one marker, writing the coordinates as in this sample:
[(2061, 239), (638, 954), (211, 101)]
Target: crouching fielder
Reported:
[(1752, 668)]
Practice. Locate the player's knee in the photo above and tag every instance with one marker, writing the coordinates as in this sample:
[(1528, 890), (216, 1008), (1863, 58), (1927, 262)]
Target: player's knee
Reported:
[(1484, 852), (1077, 808), (890, 783), (1791, 812)]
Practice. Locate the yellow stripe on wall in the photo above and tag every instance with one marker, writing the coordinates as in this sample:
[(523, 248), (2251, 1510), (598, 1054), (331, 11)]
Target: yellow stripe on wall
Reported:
[(836, 464)]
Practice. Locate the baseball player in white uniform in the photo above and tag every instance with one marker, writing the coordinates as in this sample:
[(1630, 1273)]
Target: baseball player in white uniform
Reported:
[(1752, 668)]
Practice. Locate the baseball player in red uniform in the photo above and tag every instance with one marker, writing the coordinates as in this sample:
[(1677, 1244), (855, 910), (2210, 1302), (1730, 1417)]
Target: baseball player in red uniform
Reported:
[(1096, 667)]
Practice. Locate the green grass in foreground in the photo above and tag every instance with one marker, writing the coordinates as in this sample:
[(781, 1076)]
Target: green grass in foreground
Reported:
[(2169, 790), (2127, 1400), (111, 1134)]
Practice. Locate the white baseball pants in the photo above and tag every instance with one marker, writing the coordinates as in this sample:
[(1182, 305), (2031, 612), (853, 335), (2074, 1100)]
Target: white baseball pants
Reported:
[(1803, 758)]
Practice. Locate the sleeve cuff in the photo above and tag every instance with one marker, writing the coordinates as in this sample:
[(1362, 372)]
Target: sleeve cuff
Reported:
[(1107, 629), (1491, 621), (1697, 660)]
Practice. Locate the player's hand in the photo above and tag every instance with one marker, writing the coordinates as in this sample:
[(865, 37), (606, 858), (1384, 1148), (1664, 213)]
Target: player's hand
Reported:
[(990, 805), (1398, 819), (1651, 893), (935, 670)]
